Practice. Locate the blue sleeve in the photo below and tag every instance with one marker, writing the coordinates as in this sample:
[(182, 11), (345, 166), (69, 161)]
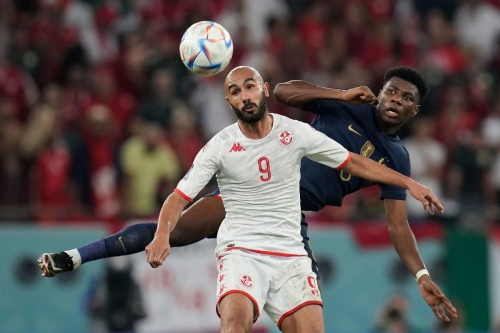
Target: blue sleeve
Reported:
[(321, 106), (393, 192), (214, 193)]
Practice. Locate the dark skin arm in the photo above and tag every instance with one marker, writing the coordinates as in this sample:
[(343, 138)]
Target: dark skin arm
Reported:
[(198, 222), (296, 93), (406, 246)]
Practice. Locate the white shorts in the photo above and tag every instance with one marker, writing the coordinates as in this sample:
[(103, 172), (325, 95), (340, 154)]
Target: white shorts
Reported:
[(279, 285)]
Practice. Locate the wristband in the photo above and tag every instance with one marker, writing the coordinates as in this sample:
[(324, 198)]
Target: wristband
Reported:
[(420, 273)]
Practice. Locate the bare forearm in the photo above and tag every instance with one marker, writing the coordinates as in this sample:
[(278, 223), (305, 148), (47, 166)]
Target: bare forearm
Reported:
[(170, 213), (296, 93), (370, 170), (406, 246)]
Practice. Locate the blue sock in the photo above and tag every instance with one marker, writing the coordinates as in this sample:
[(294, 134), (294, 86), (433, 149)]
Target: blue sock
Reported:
[(130, 240)]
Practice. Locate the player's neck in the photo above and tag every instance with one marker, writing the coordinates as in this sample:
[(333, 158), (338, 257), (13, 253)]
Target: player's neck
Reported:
[(259, 129), (387, 128)]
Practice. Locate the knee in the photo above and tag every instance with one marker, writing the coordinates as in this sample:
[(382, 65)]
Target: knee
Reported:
[(235, 325)]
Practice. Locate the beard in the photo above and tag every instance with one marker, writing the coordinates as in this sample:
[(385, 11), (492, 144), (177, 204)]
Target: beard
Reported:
[(251, 118)]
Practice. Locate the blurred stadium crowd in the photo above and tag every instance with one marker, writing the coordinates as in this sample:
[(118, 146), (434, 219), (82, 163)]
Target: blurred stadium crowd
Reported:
[(99, 118)]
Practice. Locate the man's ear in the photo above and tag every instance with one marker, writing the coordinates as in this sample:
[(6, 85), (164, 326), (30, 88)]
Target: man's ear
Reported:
[(266, 89), (417, 108)]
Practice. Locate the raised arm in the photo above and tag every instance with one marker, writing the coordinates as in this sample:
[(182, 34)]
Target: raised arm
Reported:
[(296, 93), (370, 170)]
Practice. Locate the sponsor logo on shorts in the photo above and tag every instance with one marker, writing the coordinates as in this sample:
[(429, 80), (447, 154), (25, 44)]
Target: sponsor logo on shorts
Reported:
[(246, 281), (285, 138)]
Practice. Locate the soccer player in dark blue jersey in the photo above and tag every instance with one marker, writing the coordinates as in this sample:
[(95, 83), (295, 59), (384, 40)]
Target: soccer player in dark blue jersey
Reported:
[(358, 120)]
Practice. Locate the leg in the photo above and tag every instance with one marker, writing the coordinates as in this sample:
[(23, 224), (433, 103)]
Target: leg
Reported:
[(199, 221), (307, 319), (236, 314)]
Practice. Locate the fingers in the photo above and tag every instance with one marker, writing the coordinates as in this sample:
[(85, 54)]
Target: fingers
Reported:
[(434, 201), (449, 307), (156, 256)]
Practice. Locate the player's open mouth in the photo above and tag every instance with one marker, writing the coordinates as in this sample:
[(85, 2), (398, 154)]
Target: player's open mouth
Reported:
[(390, 112), (250, 108)]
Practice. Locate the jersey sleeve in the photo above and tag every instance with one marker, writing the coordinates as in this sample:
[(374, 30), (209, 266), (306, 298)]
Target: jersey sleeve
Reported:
[(321, 106), (204, 167), (322, 149), (394, 192)]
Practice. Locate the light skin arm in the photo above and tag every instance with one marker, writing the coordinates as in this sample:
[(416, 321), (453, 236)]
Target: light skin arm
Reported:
[(370, 170), (406, 246), (159, 249), (296, 93)]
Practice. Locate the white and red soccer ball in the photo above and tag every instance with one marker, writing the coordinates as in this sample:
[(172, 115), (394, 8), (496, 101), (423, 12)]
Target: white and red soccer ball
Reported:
[(206, 48)]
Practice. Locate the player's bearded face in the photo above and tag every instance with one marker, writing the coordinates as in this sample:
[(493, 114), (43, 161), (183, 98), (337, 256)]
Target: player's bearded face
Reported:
[(250, 112)]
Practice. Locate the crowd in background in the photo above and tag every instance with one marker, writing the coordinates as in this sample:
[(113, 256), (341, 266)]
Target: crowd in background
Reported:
[(99, 118)]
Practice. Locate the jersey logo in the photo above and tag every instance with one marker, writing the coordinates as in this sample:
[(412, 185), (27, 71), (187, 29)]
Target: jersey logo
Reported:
[(285, 138), (353, 130), (246, 281), (367, 149), (236, 147)]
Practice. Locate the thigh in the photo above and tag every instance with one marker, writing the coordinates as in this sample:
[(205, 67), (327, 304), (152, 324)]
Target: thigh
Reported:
[(242, 274), (295, 287), (308, 319), (236, 313)]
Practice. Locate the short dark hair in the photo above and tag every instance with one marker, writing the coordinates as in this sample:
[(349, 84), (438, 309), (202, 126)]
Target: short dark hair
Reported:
[(410, 75)]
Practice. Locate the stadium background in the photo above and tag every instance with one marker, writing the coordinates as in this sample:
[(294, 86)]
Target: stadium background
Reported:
[(86, 85)]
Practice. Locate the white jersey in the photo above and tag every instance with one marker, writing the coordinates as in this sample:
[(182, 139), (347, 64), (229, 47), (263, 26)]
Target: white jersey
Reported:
[(259, 183)]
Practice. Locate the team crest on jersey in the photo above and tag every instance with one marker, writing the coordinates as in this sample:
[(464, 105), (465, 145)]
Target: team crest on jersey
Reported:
[(285, 138), (246, 281), (367, 149)]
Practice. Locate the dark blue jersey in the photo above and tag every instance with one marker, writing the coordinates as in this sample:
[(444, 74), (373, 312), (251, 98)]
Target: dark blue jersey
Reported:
[(356, 128)]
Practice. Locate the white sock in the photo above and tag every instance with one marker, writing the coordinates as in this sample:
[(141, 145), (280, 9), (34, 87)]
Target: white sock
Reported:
[(75, 256)]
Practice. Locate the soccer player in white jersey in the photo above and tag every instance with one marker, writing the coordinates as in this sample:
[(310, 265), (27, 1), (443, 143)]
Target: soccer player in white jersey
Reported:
[(262, 262)]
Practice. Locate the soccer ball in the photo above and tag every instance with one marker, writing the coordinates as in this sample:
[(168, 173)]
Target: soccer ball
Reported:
[(206, 48)]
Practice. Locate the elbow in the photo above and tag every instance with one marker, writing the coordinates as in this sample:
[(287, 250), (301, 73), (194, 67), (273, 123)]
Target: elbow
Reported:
[(279, 92), (283, 94)]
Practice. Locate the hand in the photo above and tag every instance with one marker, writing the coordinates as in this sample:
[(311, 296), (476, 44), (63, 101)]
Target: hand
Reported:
[(425, 196), (158, 250), (359, 95), (435, 298)]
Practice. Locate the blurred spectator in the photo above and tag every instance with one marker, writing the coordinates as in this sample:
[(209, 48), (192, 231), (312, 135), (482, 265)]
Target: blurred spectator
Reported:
[(185, 138), (11, 172), (443, 55), (161, 101), (209, 103), (106, 92), (392, 317), (151, 170), (99, 137), (428, 158), (456, 117), (17, 86), (491, 130), (116, 303), (478, 24), (469, 179)]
